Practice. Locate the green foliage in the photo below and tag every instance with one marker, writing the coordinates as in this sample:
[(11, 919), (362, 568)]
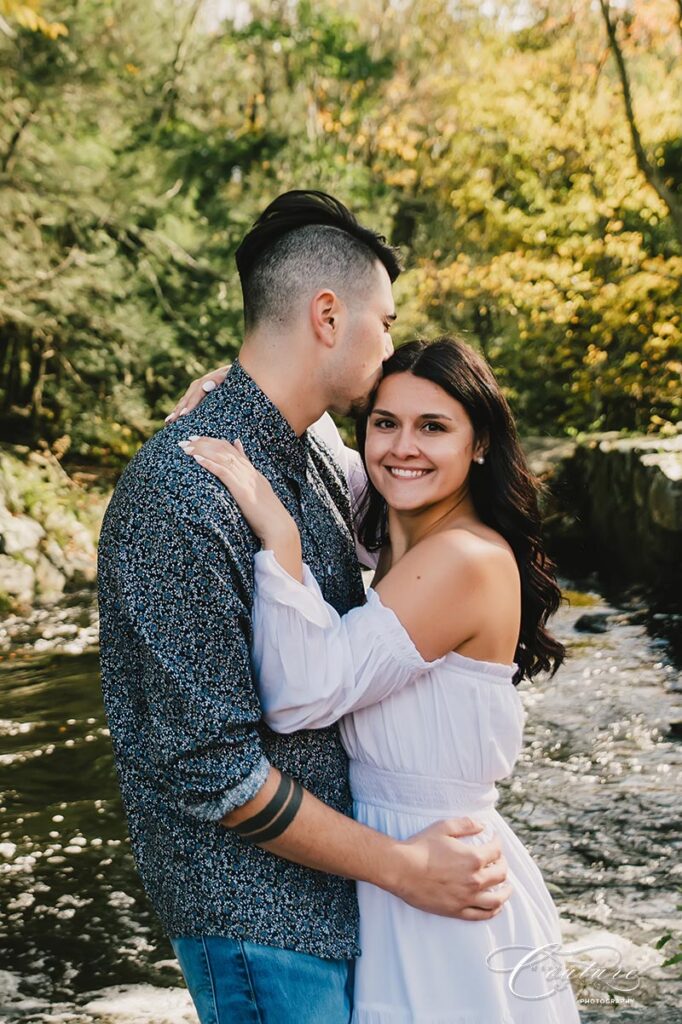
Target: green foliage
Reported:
[(137, 146)]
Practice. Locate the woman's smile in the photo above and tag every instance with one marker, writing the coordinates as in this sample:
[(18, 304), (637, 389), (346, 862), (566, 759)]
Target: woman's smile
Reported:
[(403, 473)]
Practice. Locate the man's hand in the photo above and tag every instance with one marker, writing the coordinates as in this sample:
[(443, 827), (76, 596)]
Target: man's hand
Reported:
[(435, 870), (439, 873)]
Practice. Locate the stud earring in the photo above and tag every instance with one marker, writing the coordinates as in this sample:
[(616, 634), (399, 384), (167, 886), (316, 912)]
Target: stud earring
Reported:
[(480, 459)]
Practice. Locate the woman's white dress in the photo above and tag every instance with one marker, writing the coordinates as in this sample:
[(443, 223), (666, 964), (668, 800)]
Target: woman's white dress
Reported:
[(426, 741)]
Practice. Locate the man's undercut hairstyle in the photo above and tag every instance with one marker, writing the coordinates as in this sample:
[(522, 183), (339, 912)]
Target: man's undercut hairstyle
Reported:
[(302, 241)]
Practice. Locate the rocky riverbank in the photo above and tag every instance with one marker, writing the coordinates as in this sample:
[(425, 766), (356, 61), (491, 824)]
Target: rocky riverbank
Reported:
[(49, 523)]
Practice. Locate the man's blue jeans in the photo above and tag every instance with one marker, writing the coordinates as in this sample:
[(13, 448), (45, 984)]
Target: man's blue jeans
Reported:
[(237, 982)]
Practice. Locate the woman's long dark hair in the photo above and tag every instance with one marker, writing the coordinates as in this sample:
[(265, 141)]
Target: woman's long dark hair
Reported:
[(503, 490)]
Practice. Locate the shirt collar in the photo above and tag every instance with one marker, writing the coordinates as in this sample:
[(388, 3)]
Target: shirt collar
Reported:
[(252, 411)]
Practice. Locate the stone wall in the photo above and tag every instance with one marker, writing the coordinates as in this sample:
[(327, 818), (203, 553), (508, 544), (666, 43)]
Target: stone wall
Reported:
[(617, 501)]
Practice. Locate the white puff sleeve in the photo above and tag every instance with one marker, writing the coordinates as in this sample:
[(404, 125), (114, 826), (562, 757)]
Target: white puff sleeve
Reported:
[(312, 665)]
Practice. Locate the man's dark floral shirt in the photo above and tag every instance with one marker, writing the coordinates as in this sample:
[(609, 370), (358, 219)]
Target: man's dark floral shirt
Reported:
[(176, 584)]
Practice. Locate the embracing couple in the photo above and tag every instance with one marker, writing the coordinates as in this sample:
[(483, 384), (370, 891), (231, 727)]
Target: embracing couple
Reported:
[(309, 770)]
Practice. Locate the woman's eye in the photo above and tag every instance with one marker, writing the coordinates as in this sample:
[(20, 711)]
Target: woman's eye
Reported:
[(383, 424), (435, 426)]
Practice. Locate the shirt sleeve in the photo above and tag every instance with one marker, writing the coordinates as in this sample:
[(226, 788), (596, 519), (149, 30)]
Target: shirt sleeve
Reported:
[(313, 665), (353, 469), (189, 611)]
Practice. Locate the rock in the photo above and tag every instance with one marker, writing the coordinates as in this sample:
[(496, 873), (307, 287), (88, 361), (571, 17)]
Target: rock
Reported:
[(20, 535), (544, 454), (17, 580), (675, 731), (665, 491), (49, 580), (596, 622), (56, 555), (71, 547)]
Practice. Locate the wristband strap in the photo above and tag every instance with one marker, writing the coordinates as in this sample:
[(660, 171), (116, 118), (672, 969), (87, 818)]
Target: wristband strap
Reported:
[(283, 821), (264, 817)]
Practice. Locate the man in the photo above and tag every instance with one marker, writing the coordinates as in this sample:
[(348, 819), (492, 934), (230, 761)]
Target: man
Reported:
[(243, 838)]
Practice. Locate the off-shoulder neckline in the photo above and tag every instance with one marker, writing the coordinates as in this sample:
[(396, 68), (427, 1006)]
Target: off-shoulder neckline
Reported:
[(462, 661)]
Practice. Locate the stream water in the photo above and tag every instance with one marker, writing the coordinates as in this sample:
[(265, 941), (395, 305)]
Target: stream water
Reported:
[(593, 797)]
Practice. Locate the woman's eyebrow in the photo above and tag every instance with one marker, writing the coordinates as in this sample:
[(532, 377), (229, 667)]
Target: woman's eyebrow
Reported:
[(423, 416)]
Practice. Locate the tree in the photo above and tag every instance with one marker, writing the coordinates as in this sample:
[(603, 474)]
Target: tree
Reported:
[(136, 149)]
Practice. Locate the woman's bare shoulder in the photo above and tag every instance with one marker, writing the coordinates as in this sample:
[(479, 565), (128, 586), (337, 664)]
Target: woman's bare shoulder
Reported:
[(456, 558)]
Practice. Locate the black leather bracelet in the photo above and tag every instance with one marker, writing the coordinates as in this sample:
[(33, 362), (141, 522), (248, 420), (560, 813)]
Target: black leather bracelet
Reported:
[(290, 811), (264, 817)]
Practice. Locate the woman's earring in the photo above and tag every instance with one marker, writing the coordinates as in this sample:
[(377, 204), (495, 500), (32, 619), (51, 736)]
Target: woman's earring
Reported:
[(480, 459)]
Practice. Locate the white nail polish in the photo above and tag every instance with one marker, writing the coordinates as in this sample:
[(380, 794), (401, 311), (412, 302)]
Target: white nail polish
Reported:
[(183, 411)]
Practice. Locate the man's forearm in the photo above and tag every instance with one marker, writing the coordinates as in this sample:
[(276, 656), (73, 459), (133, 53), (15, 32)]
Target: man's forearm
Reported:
[(322, 838), (432, 870)]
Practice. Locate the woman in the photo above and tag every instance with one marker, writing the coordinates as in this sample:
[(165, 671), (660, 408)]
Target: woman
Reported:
[(455, 617)]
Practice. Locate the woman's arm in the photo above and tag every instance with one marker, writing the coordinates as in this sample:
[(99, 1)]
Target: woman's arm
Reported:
[(312, 665), (260, 506), (348, 459), (315, 666)]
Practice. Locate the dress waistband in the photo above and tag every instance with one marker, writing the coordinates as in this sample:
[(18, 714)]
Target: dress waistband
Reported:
[(423, 793)]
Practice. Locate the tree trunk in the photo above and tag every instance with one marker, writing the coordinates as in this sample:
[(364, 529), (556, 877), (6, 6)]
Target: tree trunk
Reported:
[(645, 166)]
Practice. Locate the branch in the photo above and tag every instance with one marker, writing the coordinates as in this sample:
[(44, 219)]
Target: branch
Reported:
[(169, 90), (14, 141), (47, 275), (644, 164)]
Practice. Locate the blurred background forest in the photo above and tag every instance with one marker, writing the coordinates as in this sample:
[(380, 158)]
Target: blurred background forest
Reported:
[(527, 157)]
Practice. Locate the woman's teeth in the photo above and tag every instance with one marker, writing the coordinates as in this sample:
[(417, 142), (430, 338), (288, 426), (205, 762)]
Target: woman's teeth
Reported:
[(407, 474)]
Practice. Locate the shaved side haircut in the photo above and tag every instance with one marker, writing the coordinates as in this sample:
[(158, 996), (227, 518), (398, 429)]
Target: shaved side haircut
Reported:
[(302, 242)]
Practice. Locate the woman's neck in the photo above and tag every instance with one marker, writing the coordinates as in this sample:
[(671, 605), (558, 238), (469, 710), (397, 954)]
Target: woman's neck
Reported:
[(405, 529)]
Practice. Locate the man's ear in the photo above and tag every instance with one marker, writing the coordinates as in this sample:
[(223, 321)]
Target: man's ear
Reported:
[(324, 316)]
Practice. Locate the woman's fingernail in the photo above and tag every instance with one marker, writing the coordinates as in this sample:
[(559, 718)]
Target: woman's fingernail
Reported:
[(194, 437), (183, 411), (199, 458), (185, 445), (169, 417)]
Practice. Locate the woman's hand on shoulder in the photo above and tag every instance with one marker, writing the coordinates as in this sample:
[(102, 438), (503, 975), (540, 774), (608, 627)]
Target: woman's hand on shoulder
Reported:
[(197, 391), (442, 588), (260, 506)]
